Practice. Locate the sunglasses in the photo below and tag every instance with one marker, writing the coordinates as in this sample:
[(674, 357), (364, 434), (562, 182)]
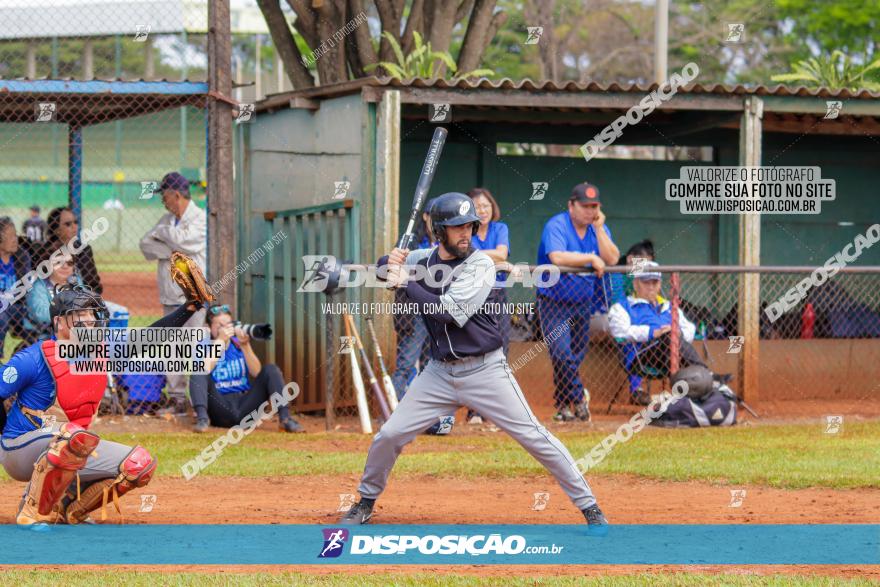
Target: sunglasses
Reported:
[(221, 309)]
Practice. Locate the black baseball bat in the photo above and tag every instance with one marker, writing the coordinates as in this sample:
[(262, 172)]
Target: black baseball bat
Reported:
[(425, 179)]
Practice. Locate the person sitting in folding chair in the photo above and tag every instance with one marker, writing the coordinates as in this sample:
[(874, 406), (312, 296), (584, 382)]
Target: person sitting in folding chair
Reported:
[(645, 320)]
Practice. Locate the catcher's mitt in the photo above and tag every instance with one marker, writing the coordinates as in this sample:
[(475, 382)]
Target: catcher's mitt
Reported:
[(187, 274)]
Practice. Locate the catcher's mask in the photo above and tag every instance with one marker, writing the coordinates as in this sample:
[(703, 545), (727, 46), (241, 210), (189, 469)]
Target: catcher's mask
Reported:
[(452, 209), (71, 298)]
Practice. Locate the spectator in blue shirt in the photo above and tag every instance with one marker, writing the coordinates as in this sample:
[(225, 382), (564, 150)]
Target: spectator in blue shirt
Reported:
[(493, 239), (577, 237), (14, 264), (238, 383), (39, 299)]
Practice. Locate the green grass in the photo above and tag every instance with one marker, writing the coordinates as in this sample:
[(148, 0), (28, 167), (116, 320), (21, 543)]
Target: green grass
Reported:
[(75, 578), (785, 456), (123, 261)]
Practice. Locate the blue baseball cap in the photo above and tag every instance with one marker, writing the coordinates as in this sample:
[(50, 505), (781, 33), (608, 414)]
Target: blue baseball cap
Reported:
[(174, 181)]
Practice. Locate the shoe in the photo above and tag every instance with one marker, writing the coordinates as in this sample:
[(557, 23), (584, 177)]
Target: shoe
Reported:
[(442, 427), (291, 425), (582, 411), (201, 425), (564, 415), (360, 513), (597, 525)]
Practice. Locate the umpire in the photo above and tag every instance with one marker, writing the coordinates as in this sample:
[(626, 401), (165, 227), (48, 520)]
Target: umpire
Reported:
[(467, 366), (577, 237)]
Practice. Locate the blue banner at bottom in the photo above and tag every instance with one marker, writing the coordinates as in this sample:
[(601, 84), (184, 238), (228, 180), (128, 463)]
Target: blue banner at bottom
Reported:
[(441, 544)]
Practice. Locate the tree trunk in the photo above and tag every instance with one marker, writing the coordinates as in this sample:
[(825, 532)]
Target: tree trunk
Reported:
[(477, 37), (296, 71), (339, 56), (547, 44)]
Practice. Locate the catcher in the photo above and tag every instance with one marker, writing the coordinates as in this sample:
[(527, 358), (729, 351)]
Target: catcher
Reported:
[(45, 441)]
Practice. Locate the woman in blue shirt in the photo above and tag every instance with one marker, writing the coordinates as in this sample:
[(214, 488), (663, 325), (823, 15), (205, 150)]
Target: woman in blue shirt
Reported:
[(39, 299), (14, 264), (493, 239), (238, 383)]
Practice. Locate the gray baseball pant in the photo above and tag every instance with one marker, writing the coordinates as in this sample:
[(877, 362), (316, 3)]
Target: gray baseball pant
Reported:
[(484, 383), (18, 456)]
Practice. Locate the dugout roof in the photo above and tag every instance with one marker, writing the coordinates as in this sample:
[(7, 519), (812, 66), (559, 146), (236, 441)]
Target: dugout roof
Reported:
[(695, 108)]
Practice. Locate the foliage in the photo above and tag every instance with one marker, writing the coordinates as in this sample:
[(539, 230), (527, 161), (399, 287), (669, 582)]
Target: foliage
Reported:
[(821, 26), (835, 71), (422, 61)]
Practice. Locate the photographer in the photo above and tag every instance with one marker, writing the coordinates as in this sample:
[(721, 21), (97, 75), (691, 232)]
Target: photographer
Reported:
[(238, 383)]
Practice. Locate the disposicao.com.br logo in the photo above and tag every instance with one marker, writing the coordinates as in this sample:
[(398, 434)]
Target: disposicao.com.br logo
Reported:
[(476, 545)]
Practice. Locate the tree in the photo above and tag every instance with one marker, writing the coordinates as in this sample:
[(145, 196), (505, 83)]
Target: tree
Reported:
[(332, 37)]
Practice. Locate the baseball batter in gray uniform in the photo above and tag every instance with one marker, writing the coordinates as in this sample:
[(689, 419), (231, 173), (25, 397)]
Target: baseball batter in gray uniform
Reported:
[(467, 367)]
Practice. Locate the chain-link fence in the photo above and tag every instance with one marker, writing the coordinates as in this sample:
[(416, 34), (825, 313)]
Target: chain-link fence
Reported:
[(603, 339), (88, 128)]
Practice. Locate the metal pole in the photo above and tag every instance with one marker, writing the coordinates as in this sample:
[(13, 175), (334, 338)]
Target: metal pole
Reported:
[(221, 204), (661, 40), (674, 334), (117, 125), (184, 70), (74, 162), (258, 69)]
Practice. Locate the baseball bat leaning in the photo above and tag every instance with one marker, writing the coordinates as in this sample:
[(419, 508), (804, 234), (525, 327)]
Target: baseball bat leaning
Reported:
[(386, 378), (374, 384), (360, 393), (425, 179)]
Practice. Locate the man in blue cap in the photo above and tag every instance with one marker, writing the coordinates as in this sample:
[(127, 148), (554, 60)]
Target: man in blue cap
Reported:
[(184, 229)]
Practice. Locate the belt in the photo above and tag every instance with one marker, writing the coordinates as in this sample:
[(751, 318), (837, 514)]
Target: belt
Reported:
[(471, 361)]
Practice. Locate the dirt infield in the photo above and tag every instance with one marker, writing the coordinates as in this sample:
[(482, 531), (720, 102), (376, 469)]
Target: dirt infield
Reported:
[(416, 500), (430, 500), (138, 291)]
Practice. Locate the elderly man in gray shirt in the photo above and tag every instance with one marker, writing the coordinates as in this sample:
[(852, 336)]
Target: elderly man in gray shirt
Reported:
[(183, 229)]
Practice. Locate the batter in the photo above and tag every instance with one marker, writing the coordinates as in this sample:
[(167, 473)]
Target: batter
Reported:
[(467, 367)]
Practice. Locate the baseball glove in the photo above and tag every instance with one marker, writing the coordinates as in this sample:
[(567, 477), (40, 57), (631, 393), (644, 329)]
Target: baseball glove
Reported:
[(187, 274)]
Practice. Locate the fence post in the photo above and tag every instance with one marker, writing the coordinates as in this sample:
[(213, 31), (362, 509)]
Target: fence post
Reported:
[(387, 197), (749, 296), (221, 204)]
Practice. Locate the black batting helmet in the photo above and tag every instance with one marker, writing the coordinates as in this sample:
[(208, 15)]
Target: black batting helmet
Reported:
[(698, 378), (70, 298), (452, 209)]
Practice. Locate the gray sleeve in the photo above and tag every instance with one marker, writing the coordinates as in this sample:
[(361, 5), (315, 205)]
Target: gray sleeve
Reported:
[(417, 255), (469, 289)]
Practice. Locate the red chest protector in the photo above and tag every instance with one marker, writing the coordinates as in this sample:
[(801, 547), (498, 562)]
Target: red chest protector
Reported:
[(77, 395)]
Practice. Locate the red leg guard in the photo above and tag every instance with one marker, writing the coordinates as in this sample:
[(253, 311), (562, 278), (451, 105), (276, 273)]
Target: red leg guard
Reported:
[(137, 469), (54, 471)]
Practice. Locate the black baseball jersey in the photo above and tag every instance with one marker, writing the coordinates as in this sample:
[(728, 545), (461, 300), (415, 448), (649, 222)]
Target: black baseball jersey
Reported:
[(452, 303)]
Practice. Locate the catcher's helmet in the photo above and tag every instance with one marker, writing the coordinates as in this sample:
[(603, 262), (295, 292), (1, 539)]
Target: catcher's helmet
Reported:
[(70, 298), (452, 209), (698, 378)]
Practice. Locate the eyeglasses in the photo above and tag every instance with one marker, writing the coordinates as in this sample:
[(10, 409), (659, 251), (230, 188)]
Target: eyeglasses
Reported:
[(221, 309), (67, 264)]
